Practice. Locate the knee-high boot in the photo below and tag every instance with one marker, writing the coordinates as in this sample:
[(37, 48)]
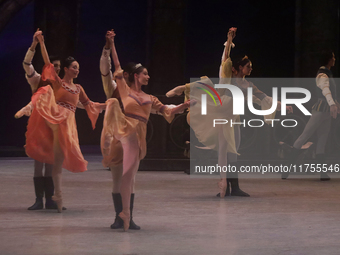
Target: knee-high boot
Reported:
[(49, 192), (294, 155), (235, 189), (132, 224), (39, 193), (321, 159), (117, 202)]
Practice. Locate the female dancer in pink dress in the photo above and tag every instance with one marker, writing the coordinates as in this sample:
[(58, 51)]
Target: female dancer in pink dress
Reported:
[(111, 91), (52, 132), (124, 135)]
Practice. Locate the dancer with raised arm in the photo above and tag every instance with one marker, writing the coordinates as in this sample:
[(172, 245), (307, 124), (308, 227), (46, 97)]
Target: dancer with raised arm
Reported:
[(51, 132), (123, 139), (226, 139), (43, 183), (111, 91)]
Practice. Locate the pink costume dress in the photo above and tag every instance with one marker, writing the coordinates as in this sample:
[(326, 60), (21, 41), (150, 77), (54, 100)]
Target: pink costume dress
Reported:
[(57, 106), (118, 125)]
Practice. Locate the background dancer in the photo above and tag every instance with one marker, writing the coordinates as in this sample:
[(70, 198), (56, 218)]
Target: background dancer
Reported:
[(228, 140), (326, 108)]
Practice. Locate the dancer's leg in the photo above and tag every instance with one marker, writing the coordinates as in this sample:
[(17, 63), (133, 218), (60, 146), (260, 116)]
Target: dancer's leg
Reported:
[(57, 166), (48, 170), (232, 158), (323, 132), (222, 161), (117, 172), (322, 137), (38, 181), (130, 168), (133, 225), (38, 168), (312, 125)]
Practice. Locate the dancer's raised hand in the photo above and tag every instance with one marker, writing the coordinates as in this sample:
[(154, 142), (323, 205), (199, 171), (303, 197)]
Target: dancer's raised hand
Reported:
[(110, 36), (39, 36), (38, 32)]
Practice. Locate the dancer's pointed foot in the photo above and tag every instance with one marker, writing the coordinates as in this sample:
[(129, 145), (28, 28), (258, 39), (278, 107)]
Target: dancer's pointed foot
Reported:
[(59, 201), (125, 216), (222, 184), (177, 91), (19, 114), (227, 192)]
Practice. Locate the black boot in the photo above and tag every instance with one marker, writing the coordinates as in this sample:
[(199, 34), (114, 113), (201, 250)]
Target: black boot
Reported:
[(132, 224), (235, 189), (39, 193), (227, 192), (294, 155), (321, 159), (49, 192), (117, 202)]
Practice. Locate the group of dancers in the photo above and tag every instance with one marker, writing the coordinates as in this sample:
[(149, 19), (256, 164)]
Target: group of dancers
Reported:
[(52, 138)]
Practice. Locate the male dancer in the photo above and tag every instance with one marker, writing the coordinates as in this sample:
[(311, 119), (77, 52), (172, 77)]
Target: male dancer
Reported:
[(322, 112)]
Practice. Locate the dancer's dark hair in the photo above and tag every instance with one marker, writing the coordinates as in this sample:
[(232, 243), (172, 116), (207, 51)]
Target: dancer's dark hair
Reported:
[(68, 61), (325, 56), (240, 61), (132, 68)]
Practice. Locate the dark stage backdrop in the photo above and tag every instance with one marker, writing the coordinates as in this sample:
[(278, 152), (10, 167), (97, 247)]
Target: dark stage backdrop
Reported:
[(176, 40)]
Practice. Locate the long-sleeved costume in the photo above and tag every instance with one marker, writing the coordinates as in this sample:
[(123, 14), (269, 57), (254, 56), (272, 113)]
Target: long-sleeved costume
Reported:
[(57, 106), (33, 78), (202, 125), (134, 120), (109, 84)]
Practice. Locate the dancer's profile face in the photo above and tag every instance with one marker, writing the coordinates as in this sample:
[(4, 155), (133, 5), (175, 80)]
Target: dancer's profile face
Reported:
[(246, 69), (143, 77), (56, 65), (332, 61), (72, 70)]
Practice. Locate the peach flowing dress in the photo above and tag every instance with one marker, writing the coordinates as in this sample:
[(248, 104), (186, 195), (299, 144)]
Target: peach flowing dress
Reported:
[(57, 105), (118, 125)]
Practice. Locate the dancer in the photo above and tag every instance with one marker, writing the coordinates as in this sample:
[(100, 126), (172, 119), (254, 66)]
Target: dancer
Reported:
[(51, 132), (43, 183), (226, 139), (111, 91), (326, 108), (123, 140)]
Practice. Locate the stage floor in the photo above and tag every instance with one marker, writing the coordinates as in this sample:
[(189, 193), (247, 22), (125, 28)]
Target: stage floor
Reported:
[(177, 214)]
